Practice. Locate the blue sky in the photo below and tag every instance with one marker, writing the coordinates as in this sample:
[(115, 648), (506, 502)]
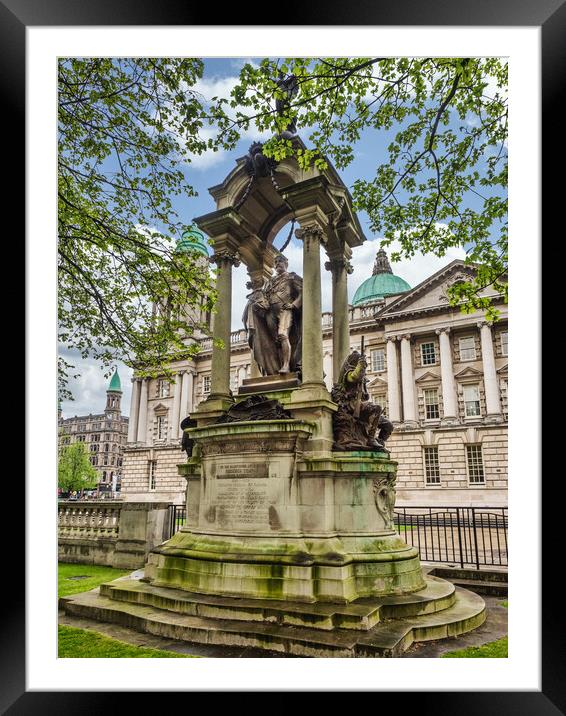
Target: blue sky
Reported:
[(210, 169)]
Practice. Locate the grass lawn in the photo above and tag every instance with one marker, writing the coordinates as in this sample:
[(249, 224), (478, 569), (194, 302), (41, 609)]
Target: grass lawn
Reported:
[(84, 644), (94, 575), (493, 650)]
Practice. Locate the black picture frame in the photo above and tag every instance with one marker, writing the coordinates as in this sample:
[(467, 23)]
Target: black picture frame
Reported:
[(550, 16)]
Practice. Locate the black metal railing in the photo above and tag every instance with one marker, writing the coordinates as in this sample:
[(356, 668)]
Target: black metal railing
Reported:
[(466, 536), (176, 517)]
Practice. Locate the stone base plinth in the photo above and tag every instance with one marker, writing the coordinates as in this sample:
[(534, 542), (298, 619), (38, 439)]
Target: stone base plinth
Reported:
[(376, 627), (326, 569)]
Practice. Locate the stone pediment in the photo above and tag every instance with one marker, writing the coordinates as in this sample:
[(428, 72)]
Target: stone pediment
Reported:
[(160, 408), (503, 369), (431, 294), (428, 377), (376, 382), (468, 372)]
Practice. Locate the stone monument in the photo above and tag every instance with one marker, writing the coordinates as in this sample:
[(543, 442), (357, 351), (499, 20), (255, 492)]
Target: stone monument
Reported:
[(289, 541)]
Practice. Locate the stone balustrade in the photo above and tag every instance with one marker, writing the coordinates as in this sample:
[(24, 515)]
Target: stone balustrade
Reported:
[(89, 519), (113, 533)]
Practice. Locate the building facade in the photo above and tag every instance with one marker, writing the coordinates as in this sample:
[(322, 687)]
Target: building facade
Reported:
[(104, 436), (440, 374)]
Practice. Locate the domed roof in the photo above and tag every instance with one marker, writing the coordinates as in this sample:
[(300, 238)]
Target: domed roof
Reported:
[(193, 240), (115, 382), (381, 283)]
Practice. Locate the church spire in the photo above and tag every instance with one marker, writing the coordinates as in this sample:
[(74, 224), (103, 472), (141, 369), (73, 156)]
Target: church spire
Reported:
[(381, 264)]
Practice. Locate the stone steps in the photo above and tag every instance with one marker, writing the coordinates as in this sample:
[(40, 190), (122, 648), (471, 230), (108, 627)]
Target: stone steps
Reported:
[(385, 639), (361, 615)]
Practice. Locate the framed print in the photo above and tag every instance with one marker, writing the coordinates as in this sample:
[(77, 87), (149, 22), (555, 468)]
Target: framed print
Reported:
[(37, 32)]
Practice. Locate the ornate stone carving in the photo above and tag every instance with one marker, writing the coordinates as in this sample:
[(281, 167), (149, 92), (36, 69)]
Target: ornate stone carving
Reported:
[(225, 256), (384, 495), (310, 232), (339, 264)]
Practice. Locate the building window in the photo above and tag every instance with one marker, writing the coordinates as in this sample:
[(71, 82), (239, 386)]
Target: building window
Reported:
[(152, 469), (81, 438), (432, 406), (94, 460), (104, 476), (432, 467), (161, 427), (106, 459), (206, 384), (475, 465), (378, 360), (82, 428), (504, 339), (472, 400), (162, 388), (380, 399), (428, 354), (95, 438), (467, 348), (96, 426), (234, 382), (94, 448)]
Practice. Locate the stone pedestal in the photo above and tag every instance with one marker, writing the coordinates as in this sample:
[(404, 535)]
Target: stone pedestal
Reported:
[(267, 519)]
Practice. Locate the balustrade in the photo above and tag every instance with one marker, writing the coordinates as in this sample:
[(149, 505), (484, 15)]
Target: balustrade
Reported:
[(77, 519)]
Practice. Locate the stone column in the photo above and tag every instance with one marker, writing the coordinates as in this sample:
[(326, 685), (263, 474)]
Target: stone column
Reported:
[(187, 406), (311, 237), (183, 397), (329, 370), (340, 268), (394, 413), (447, 376), (220, 379), (142, 419), (408, 382), (175, 420), (134, 411), (492, 401)]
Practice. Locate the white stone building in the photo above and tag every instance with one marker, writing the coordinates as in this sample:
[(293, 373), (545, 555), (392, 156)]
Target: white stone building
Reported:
[(104, 437), (440, 374)]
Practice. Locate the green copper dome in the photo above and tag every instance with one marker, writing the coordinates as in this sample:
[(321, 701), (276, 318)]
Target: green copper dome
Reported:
[(193, 240), (381, 283), (115, 382)]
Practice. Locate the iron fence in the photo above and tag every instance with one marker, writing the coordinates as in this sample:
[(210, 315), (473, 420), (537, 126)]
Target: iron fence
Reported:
[(176, 517), (466, 536)]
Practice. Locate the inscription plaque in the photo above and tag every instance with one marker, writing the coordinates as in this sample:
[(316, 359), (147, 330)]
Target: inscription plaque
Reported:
[(242, 502), (241, 469)]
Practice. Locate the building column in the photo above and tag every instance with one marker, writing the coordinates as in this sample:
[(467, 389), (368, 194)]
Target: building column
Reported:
[(311, 237), (340, 267), (220, 378), (394, 410), (408, 382), (175, 421), (450, 406), (142, 419), (492, 401), (183, 397), (134, 411), (328, 369), (188, 404)]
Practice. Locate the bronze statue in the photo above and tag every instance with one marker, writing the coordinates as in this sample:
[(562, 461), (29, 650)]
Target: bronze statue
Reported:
[(357, 419), (272, 318)]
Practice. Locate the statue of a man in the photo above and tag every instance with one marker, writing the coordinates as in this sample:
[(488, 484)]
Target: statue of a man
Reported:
[(357, 419), (272, 318)]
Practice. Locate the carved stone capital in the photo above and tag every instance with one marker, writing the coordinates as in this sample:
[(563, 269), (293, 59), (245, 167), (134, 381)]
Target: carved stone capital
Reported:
[(444, 329), (393, 339), (339, 264), (309, 233), (406, 337), (225, 256), (481, 324)]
